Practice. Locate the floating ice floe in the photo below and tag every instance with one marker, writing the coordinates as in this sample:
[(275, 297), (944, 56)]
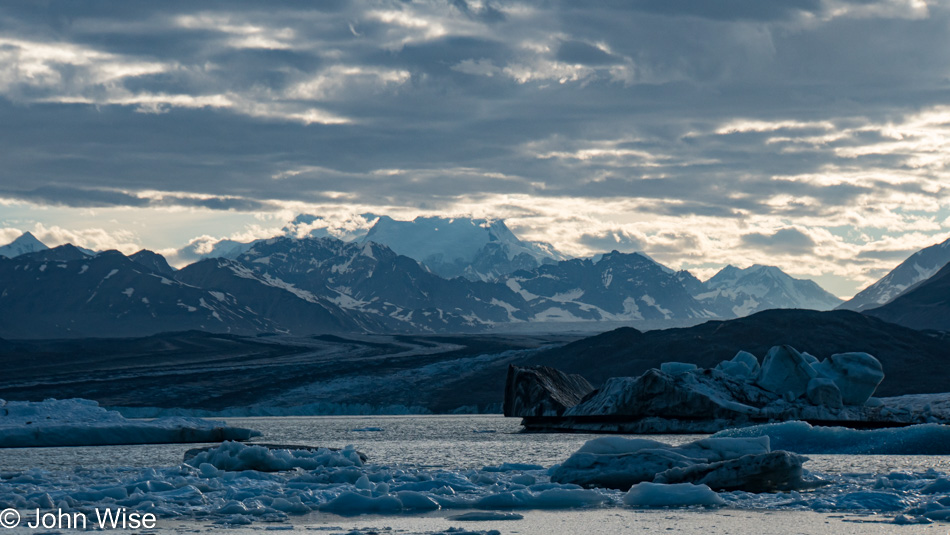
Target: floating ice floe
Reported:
[(670, 495), (234, 456), (923, 439), (81, 422), (681, 398), (719, 463)]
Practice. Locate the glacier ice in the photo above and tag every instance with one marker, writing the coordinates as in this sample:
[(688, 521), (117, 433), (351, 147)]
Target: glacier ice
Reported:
[(857, 375), (785, 372), (82, 422), (648, 494), (722, 464), (922, 439), (235, 456), (680, 398)]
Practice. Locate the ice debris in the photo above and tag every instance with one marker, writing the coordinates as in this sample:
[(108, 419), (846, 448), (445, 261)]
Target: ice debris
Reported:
[(234, 456), (82, 422)]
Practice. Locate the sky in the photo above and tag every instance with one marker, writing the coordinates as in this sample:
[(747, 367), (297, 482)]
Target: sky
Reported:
[(813, 135)]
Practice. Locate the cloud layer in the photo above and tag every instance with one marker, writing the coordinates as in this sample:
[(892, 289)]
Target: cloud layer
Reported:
[(810, 134)]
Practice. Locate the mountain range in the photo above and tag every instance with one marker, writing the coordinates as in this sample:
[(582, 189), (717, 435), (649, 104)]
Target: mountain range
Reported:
[(484, 278)]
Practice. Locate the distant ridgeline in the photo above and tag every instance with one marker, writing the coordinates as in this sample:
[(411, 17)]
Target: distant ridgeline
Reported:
[(430, 275)]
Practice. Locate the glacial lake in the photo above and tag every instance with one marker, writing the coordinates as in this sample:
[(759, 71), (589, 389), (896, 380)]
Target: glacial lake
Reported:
[(461, 444)]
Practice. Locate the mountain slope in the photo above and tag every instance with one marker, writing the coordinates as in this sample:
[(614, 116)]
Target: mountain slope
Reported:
[(26, 243), (153, 261), (618, 287), (476, 249), (924, 306), (373, 280), (914, 362), (289, 309), (55, 294), (735, 292), (920, 266)]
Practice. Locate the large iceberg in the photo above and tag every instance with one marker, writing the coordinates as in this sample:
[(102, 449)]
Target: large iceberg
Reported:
[(82, 422), (719, 463), (681, 398)]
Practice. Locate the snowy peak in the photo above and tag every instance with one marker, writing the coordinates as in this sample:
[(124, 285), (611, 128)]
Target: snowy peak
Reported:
[(26, 243), (477, 249), (919, 267), (745, 291)]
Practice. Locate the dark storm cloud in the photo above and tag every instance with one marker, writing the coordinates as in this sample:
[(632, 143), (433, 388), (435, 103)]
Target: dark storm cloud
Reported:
[(786, 240), (453, 99), (74, 197)]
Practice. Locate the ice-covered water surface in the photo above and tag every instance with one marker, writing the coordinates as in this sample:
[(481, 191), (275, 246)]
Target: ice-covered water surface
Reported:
[(418, 464)]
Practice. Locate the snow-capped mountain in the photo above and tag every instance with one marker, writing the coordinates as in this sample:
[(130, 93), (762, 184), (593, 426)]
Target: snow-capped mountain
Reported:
[(476, 249), (919, 267), (62, 292), (923, 306), (735, 292), (616, 287), (324, 285), (377, 289), (26, 243)]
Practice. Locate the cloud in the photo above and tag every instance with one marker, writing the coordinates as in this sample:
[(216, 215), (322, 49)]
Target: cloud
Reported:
[(785, 241), (612, 240), (693, 127), (96, 239)]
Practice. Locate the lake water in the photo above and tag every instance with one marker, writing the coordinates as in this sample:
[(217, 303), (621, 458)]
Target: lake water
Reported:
[(430, 441), (461, 446)]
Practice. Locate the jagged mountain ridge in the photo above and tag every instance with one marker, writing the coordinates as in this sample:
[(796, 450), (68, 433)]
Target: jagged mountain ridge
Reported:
[(63, 293), (919, 267), (325, 285)]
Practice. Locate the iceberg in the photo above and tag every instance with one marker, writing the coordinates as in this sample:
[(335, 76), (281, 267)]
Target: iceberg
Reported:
[(678, 494), (82, 422), (922, 439), (681, 398), (542, 391), (727, 464)]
